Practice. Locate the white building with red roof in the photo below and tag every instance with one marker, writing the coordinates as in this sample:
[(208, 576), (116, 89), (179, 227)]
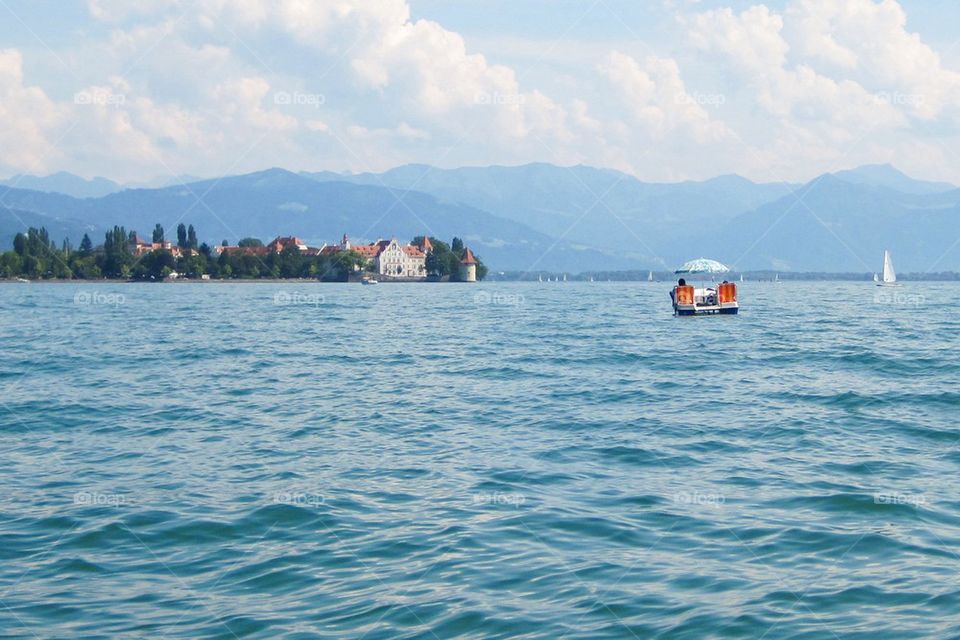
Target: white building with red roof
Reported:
[(388, 258), (400, 261)]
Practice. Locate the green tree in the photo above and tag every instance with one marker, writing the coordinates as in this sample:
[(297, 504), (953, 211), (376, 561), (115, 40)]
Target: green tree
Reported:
[(291, 263), (117, 258), (250, 242), (191, 237), (86, 245), (346, 262), (158, 235), (182, 236)]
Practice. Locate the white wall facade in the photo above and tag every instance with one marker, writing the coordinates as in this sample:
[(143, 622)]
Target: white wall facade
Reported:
[(394, 261)]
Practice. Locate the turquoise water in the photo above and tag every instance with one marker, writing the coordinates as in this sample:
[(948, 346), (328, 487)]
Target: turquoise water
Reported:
[(491, 461)]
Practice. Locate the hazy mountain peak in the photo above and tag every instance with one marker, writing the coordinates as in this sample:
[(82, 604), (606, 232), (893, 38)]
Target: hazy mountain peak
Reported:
[(887, 175), (65, 183)]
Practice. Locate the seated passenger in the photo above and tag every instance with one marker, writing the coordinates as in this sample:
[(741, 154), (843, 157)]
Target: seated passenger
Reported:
[(673, 292)]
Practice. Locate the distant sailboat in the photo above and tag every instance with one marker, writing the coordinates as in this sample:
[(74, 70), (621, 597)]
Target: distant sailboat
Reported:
[(777, 279), (564, 277), (650, 277), (889, 275), (741, 277), (540, 277), (591, 279), (876, 278)]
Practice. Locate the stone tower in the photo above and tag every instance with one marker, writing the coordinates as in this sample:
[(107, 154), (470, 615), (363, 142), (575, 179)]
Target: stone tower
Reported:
[(468, 267)]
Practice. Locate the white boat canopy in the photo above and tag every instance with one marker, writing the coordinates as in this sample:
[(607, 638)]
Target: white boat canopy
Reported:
[(703, 265)]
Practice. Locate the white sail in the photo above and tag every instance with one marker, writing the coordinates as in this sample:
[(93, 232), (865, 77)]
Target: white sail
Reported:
[(650, 277), (876, 278), (889, 275)]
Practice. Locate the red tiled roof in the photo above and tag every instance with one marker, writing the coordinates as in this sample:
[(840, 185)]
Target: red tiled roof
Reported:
[(282, 242), (426, 246), (369, 250), (468, 257), (413, 251)]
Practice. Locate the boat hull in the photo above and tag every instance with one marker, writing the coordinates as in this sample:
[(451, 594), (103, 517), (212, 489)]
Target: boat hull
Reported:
[(709, 311)]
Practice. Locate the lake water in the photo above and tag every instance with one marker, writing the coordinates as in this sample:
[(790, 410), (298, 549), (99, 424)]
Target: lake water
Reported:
[(561, 461)]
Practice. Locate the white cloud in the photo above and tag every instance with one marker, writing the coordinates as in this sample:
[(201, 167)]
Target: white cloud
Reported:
[(751, 39), (657, 99), (30, 119), (814, 83), (869, 42)]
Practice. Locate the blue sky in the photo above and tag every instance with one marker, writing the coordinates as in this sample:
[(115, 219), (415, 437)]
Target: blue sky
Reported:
[(664, 90)]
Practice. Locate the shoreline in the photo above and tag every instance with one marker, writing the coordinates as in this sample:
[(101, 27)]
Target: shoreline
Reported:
[(206, 282), (825, 278)]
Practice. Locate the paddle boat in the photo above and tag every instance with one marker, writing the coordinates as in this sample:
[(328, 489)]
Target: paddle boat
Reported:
[(689, 300)]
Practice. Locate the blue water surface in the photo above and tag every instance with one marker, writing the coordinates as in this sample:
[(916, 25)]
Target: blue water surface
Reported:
[(562, 461)]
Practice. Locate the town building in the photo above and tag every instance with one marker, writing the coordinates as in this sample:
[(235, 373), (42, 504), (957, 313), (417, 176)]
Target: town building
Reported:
[(277, 245), (400, 261), (141, 247), (388, 257), (281, 243)]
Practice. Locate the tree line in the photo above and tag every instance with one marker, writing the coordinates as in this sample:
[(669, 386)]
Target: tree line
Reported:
[(36, 256), (443, 261)]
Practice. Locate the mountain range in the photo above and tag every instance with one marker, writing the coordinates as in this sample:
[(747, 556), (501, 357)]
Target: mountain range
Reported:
[(534, 217)]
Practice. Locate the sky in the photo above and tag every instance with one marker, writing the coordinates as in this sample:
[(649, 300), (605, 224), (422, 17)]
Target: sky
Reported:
[(666, 90)]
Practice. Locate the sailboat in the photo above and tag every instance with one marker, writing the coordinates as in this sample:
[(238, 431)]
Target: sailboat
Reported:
[(650, 277), (564, 277), (889, 275), (777, 279), (540, 277), (741, 277), (876, 278)]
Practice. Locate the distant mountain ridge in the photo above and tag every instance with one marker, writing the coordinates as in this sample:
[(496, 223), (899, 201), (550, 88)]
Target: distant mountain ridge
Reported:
[(277, 202), (885, 175), (541, 216), (65, 183)]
